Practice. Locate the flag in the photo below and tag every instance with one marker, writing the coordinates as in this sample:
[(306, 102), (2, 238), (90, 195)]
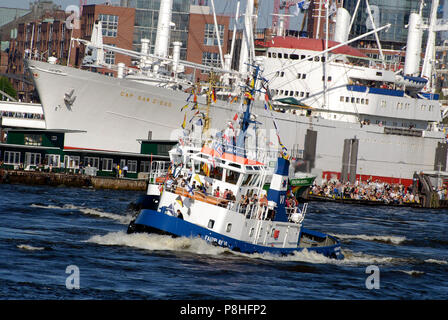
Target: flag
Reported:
[(170, 209), (179, 201), (195, 106), (189, 189), (234, 99), (185, 121), (196, 177), (248, 95), (217, 146), (183, 108), (206, 169), (213, 95), (235, 117)]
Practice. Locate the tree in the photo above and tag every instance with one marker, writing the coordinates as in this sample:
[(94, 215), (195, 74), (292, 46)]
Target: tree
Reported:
[(6, 87)]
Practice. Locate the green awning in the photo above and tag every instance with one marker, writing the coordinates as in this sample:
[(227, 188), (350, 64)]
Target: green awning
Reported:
[(292, 101)]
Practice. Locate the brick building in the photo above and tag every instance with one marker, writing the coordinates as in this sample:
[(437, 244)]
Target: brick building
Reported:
[(44, 33), (202, 46)]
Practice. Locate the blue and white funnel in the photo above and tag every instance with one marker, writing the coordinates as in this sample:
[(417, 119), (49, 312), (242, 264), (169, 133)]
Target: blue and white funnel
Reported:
[(278, 188)]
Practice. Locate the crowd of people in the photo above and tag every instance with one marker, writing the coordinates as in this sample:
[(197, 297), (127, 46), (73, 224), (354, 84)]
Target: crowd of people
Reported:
[(366, 190)]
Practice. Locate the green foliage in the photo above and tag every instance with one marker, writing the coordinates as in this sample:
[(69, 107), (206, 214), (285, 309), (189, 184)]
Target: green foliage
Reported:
[(7, 87)]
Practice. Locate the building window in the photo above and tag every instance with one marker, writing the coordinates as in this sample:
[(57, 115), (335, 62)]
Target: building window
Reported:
[(109, 24), (211, 59), (33, 140), (145, 166), (71, 162), (32, 159), (109, 56), (210, 38), (132, 165), (53, 160), (12, 157), (107, 164), (92, 161)]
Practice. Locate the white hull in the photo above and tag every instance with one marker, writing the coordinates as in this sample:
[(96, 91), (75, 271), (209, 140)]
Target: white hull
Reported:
[(116, 112)]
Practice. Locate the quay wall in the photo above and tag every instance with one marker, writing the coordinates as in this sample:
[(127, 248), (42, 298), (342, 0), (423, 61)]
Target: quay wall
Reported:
[(70, 180)]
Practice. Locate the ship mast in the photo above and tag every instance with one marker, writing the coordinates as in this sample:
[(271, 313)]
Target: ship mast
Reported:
[(427, 68)]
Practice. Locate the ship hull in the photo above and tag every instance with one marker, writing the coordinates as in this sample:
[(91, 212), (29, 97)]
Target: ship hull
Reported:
[(115, 113), (151, 221)]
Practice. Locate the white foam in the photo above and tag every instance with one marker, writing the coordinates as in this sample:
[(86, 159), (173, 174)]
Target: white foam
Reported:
[(436, 261), (386, 239), (413, 272), (126, 219), (154, 242), (28, 247)]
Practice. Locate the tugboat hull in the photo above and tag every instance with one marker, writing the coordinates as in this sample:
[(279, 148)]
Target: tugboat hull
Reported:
[(152, 221)]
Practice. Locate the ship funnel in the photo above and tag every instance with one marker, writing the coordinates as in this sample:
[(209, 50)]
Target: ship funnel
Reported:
[(278, 188), (120, 72), (414, 45), (342, 25), (163, 28), (176, 56)]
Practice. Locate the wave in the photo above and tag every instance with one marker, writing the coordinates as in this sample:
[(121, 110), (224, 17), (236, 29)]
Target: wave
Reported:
[(154, 242), (30, 248), (123, 219), (413, 273), (376, 238), (436, 261)]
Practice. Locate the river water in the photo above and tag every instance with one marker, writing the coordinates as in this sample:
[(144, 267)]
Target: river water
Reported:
[(49, 236)]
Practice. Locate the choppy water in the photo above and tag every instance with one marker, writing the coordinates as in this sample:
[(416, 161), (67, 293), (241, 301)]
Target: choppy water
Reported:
[(44, 230)]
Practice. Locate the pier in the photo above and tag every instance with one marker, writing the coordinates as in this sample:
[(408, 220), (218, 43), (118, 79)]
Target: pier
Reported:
[(71, 180), (428, 190)]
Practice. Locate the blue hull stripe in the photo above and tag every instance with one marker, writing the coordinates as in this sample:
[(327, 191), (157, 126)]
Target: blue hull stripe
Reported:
[(178, 227)]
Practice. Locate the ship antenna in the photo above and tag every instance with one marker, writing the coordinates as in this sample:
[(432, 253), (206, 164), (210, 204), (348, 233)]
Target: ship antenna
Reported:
[(246, 121)]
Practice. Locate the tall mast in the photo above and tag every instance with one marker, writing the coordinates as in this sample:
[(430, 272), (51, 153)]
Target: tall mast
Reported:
[(247, 38), (430, 47)]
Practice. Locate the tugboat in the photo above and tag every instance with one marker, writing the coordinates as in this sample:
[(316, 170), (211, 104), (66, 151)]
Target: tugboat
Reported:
[(214, 190)]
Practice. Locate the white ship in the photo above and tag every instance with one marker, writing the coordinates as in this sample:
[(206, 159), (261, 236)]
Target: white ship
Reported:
[(342, 113)]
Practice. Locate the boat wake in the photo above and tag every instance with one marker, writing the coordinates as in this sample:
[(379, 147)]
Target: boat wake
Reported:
[(383, 239), (123, 219), (154, 242)]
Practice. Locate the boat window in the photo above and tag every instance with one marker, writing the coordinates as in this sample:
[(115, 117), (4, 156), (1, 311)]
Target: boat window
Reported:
[(294, 56), (316, 59), (322, 59), (269, 54), (302, 57), (211, 223), (216, 173), (274, 55), (254, 180), (285, 55), (247, 178), (228, 227), (232, 176), (279, 55)]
